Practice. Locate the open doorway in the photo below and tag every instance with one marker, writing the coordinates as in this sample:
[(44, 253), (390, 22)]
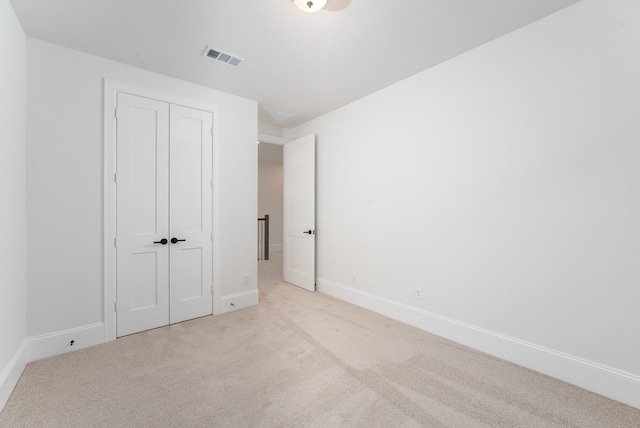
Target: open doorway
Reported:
[(270, 203)]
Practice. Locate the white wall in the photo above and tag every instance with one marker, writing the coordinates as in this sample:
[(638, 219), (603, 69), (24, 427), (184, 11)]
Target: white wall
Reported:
[(64, 178), (271, 132), (270, 197), (13, 283), (505, 183)]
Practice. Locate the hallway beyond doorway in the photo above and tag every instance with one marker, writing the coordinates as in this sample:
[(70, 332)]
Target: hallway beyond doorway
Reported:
[(270, 271)]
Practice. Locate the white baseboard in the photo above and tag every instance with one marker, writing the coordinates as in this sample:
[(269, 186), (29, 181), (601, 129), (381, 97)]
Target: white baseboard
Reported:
[(231, 302), (610, 382), (12, 372), (59, 342)]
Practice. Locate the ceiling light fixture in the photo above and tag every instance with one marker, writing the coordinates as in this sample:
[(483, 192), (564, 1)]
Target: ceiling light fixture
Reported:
[(309, 5)]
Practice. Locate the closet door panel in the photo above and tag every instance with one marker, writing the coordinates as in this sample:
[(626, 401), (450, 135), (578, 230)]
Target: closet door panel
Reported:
[(142, 221), (191, 273)]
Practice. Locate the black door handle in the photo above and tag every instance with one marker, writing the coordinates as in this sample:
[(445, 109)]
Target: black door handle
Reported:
[(309, 232), (174, 240), (163, 241)]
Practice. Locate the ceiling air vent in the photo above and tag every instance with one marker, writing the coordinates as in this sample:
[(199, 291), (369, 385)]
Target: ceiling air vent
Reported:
[(282, 116), (218, 55)]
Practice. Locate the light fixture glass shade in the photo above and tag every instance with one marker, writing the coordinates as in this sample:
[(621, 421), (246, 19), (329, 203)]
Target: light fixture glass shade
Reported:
[(310, 5)]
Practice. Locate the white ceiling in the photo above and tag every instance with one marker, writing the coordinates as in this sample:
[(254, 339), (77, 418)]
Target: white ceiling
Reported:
[(304, 64)]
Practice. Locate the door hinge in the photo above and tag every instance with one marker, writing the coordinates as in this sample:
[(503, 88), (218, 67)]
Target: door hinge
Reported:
[(115, 113), (212, 289), (115, 177), (211, 130), (115, 242), (115, 306), (211, 183), (211, 236)]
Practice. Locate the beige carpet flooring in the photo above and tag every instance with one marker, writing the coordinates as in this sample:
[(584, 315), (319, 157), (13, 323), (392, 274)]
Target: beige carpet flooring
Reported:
[(297, 359)]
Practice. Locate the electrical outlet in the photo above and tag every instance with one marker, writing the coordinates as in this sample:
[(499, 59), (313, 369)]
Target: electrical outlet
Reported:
[(245, 279), (354, 277), (419, 293)]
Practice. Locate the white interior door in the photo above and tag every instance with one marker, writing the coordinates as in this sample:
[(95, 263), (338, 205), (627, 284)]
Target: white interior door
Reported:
[(164, 214), (191, 273), (299, 163), (142, 214)]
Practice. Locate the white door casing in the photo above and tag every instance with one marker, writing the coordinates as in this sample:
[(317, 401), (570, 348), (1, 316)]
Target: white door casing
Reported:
[(193, 259), (299, 212)]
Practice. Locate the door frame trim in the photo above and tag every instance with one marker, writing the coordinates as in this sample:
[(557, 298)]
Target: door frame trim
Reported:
[(110, 91)]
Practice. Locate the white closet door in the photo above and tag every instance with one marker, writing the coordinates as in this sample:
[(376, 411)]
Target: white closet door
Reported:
[(191, 272), (299, 162), (142, 214)]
